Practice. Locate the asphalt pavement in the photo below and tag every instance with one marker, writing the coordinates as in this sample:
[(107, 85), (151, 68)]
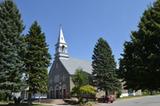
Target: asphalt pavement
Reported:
[(138, 101)]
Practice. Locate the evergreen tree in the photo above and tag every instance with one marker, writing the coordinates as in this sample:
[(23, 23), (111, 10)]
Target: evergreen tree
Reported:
[(104, 68), (37, 60), (140, 65), (11, 48)]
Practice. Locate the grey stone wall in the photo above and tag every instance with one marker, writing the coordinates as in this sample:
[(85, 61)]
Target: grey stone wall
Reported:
[(71, 84), (59, 81)]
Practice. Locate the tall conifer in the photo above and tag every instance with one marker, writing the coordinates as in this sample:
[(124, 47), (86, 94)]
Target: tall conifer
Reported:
[(11, 48), (104, 67), (140, 64), (37, 60)]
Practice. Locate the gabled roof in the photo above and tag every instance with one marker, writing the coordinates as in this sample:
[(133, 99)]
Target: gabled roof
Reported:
[(72, 64)]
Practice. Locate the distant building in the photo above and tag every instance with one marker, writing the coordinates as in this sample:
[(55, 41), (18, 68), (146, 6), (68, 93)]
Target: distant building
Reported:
[(62, 69), (129, 92)]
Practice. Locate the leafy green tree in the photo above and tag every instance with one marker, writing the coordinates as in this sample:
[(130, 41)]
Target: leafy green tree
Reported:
[(37, 60), (11, 48), (88, 89), (140, 62), (104, 68), (80, 78)]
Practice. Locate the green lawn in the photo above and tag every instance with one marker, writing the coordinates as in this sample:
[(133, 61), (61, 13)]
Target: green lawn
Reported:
[(24, 104), (129, 97)]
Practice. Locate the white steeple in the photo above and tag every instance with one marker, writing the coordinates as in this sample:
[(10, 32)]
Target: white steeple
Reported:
[(61, 46), (61, 36)]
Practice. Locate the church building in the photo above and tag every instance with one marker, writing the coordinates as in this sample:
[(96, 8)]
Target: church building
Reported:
[(62, 69)]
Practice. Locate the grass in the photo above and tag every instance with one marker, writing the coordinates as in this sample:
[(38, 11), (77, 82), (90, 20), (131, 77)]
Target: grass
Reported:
[(130, 97), (143, 95), (22, 104)]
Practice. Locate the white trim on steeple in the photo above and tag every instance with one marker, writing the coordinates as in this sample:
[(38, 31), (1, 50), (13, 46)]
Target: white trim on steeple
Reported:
[(61, 36), (61, 46)]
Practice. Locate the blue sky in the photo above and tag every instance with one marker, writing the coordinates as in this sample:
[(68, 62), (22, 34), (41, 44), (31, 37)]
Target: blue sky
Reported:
[(84, 21)]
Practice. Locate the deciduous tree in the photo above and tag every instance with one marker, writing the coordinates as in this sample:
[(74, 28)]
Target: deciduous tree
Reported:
[(80, 78)]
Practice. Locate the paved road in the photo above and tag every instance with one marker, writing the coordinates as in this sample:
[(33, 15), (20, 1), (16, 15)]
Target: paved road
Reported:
[(140, 101)]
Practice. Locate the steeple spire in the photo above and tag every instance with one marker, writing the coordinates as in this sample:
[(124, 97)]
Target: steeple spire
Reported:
[(61, 36), (61, 46)]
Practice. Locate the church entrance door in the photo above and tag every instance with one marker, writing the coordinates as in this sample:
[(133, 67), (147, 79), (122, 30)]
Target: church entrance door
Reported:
[(57, 94), (64, 93)]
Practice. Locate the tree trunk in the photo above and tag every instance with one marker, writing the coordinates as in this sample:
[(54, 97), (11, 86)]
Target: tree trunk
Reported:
[(151, 92), (30, 99), (107, 92)]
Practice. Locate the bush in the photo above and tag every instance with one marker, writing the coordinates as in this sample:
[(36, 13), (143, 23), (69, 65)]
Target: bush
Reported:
[(72, 101), (88, 89), (118, 94), (87, 104), (2, 96)]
